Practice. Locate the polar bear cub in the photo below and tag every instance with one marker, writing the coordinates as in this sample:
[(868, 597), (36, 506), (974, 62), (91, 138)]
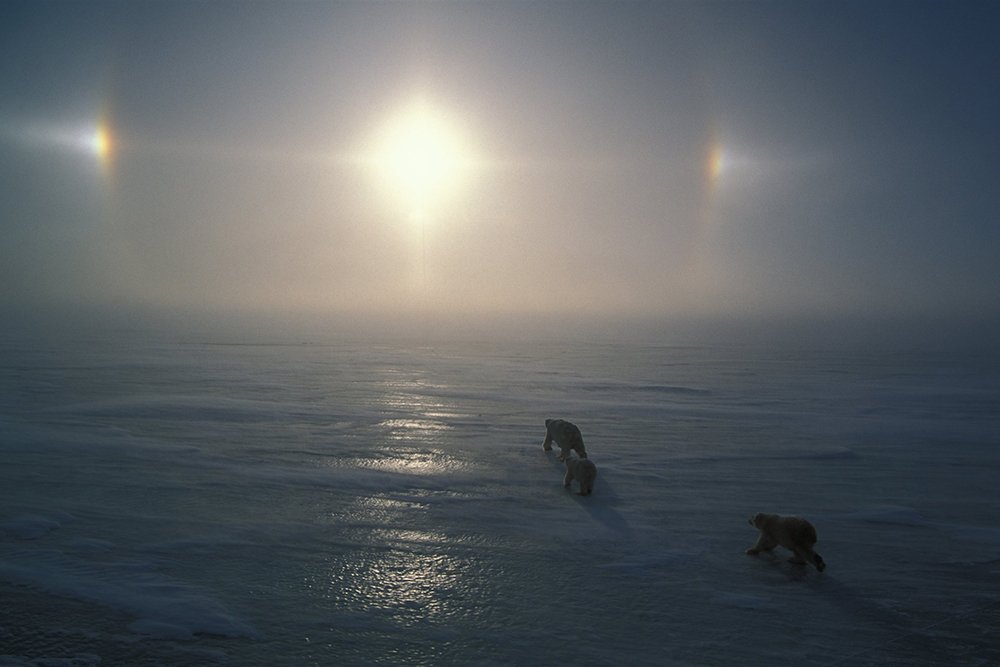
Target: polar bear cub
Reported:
[(583, 471), (566, 435), (791, 532)]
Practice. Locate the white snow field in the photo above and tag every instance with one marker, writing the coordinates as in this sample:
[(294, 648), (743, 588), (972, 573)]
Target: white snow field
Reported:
[(364, 504)]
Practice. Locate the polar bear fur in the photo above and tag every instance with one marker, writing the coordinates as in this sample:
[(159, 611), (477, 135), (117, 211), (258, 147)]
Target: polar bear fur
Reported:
[(583, 471), (566, 435), (792, 532)]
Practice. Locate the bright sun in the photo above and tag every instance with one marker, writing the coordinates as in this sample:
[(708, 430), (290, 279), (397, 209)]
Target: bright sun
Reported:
[(423, 155)]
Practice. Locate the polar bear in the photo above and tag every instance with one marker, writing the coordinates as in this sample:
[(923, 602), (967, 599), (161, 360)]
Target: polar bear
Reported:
[(583, 471), (566, 435), (791, 532)]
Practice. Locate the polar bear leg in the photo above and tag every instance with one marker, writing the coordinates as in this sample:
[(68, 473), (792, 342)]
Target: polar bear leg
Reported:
[(764, 543), (806, 556), (568, 479), (547, 445), (818, 561), (563, 452)]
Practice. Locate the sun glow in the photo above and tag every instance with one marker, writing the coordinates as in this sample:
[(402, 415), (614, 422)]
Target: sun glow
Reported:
[(423, 155), (93, 139), (717, 164), (101, 144)]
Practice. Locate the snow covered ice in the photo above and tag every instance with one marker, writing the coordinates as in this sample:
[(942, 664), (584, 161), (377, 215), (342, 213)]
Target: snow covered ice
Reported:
[(196, 503)]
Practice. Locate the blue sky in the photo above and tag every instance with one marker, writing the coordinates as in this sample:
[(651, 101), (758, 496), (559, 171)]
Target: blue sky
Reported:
[(687, 161)]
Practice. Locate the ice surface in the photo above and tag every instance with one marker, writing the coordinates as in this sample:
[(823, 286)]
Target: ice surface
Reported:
[(28, 527), (191, 503)]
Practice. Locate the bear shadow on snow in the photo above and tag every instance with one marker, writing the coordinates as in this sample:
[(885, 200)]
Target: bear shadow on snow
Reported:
[(854, 602), (775, 567)]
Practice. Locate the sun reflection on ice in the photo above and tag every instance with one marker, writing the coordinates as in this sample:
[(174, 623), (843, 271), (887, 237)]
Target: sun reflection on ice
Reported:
[(395, 563), (411, 586), (408, 574), (414, 425), (410, 460), (412, 431)]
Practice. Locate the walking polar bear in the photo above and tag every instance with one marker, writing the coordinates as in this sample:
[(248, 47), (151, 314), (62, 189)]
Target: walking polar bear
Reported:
[(583, 471), (791, 532), (566, 435)]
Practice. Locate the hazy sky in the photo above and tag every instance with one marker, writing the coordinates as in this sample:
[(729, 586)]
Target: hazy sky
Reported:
[(672, 160)]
